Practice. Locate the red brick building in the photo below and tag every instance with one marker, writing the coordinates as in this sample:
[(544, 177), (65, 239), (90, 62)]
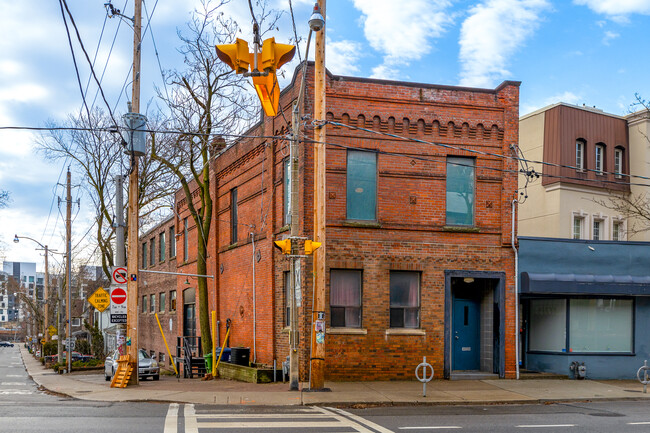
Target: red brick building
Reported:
[(157, 291), (419, 255)]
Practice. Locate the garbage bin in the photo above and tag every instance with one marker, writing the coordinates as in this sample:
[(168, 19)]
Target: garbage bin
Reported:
[(208, 362), (240, 355), (225, 356)]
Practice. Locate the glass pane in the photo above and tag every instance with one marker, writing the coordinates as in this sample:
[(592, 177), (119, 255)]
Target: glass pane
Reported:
[(600, 325), (345, 288), (412, 318), (460, 191), (396, 317), (337, 317), (287, 191), (547, 325), (353, 317), (404, 289), (361, 185)]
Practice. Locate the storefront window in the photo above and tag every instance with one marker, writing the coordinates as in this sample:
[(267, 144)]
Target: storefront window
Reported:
[(600, 325), (547, 325)]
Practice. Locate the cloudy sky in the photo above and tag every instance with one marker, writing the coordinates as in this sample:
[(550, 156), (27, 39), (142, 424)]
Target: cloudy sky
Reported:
[(590, 52)]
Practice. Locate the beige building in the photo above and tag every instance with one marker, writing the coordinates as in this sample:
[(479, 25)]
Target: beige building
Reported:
[(589, 156)]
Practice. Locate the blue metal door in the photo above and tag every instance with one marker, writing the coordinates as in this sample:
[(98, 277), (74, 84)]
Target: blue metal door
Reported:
[(465, 335)]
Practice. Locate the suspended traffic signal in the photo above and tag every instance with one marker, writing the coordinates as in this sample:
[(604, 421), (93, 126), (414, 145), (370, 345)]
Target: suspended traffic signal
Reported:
[(235, 55), (311, 246), (284, 246)]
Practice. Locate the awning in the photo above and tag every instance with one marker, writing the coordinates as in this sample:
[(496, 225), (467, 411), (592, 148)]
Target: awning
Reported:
[(584, 284)]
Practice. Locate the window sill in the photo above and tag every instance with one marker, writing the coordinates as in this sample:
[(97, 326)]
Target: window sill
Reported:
[(347, 331), (362, 224), (406, 331), (461, 229), (285, 228), (286, 330)]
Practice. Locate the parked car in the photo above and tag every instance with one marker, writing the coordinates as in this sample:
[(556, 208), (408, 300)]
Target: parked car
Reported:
[(76, 356), (147, 366), (6, 344)]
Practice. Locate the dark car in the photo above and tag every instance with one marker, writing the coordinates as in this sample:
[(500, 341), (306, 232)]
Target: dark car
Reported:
[(147, 366), (6, 344)]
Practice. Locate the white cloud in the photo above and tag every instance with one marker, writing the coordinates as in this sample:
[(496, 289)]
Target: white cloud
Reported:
[(616, 9), (609, 36), (342, 56), (491, 34), (567, 97), (402, 31), (386, 72)]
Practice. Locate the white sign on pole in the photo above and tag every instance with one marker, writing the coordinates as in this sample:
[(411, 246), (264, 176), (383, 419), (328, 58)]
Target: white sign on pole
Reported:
[(118, 276), (298, 290), (118, 304)]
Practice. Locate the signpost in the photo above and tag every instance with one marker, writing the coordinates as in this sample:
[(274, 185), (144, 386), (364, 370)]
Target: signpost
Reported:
[(100, 299), (118, 295)]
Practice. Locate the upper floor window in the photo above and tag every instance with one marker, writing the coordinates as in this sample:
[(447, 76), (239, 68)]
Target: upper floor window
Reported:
[(233, 216), (161, 304), (580, 154), (404, 299), (600, 158), (144, 303), (578, 222), (460, 191), (152, 258), (361, 194), (161, 241), (345, 298), (287, 191), (172, 300), (144, 254), (172, 241), (185, 240), (617, 231), (618, 162), (153, 303)]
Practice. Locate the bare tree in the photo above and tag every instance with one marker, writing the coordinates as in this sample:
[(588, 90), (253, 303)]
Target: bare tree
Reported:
[(207, 101)]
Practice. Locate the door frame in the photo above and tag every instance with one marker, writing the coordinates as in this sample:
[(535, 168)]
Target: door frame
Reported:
[(500, 294)]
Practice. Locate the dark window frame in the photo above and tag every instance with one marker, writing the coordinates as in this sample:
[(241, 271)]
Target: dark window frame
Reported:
[(352, 185), (339, 311), (233, 216), (398, 318)]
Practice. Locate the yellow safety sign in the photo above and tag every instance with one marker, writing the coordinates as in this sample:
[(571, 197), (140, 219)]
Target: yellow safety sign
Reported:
[(100, 299)]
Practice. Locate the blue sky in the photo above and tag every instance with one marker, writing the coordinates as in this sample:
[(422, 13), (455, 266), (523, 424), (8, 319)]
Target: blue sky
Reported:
[(591, 52)]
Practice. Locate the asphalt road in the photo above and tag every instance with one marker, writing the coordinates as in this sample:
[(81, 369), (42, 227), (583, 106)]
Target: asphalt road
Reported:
[(24, 408)]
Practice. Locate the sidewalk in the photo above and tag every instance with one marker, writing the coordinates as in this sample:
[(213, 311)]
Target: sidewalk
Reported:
[(170, 389)]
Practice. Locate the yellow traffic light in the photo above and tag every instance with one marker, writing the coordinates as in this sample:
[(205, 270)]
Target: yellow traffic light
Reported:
[(274, 55), (269, 60), (284, 246), (235, 55), (268, 91), (310, 246)]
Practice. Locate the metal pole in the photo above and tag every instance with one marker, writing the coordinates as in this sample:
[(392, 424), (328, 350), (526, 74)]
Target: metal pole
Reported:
[(294, 357), (46, 289), (120, 260), (132, 260), (59, 297), (68, 226), (317, 377)]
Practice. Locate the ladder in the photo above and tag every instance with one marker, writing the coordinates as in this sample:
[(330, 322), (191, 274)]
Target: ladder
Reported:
[(123, 373)]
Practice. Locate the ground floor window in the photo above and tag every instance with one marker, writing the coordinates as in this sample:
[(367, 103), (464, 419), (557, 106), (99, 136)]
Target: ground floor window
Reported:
[(345, 298), (581, 325)]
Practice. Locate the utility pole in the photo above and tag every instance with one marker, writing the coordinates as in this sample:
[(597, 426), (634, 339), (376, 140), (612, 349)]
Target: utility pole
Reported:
[(132, 264), (46, 289), (294, 335), (59, 295), (68, 238), (317, 376)]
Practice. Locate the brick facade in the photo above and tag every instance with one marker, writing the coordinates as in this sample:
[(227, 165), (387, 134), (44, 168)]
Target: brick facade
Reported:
[(409, 232)]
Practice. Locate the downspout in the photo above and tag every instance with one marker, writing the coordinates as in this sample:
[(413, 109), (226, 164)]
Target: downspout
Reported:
[(514, 248), (254, 305)]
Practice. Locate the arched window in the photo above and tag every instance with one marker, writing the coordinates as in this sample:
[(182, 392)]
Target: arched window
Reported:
[(600, 158), (580, 154), (618, 162)]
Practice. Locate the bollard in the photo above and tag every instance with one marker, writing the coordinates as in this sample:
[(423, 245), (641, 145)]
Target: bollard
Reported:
[(645, 369), (424, 379)]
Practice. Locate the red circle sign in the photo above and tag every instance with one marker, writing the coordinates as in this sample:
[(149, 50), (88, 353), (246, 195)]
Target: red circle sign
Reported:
[(119, 275), (118, 295)]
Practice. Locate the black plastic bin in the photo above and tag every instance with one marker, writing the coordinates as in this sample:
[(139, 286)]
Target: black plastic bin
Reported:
[(240, 355)]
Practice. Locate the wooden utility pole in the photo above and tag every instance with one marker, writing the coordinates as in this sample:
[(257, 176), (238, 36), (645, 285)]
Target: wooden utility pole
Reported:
[(294, 336), (68, 284), (132, 254), (46, 289), (317, 376)]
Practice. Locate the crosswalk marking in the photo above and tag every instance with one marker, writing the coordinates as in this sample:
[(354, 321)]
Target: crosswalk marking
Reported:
[(362, 422), (171, 420), (191, 426)]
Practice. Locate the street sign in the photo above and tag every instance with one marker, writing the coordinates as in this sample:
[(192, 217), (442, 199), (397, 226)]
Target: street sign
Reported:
[(118, 304), (118, 277), (100, 299), (51, 330)]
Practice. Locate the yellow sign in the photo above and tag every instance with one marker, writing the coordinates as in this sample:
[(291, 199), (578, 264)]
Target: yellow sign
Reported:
[(51, 330), (100, 299)]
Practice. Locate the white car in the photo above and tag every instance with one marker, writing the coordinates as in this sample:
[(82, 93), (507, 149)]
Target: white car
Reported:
[(147, 366)]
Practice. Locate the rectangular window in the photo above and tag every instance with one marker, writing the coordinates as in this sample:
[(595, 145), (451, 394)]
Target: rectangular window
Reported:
[(618, 162), (460, 191), (577, 227), (547, 330), (144, 255), (597, 230), (600, 325), (185, 240), (616, 231), (161, 304), (161, 246), (287, 191), (172, 300), (144, 304), (152, 257), (580, 155), (345, 298), (361, 193), (287, 298), (233, 216), (75, 321), (153, 303), (172, 242), (600, 151), (404, 299)]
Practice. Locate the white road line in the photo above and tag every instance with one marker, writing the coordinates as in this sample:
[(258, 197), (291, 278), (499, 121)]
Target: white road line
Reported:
[(15, 375), (13, 383), (260, 415), (15, 392), (639, 423), (436, 427), (362, 422), (171, 420), (191, 425), (268, 425), (544, 425)]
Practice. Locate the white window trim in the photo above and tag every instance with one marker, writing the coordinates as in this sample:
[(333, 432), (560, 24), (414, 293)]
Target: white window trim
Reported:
[(583, 216), (602, 219), (580, 165), (601, 161), (622, 234), (618, 154)]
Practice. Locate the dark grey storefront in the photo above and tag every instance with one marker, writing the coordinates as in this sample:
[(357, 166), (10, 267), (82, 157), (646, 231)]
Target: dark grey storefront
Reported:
[(587, 302)]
